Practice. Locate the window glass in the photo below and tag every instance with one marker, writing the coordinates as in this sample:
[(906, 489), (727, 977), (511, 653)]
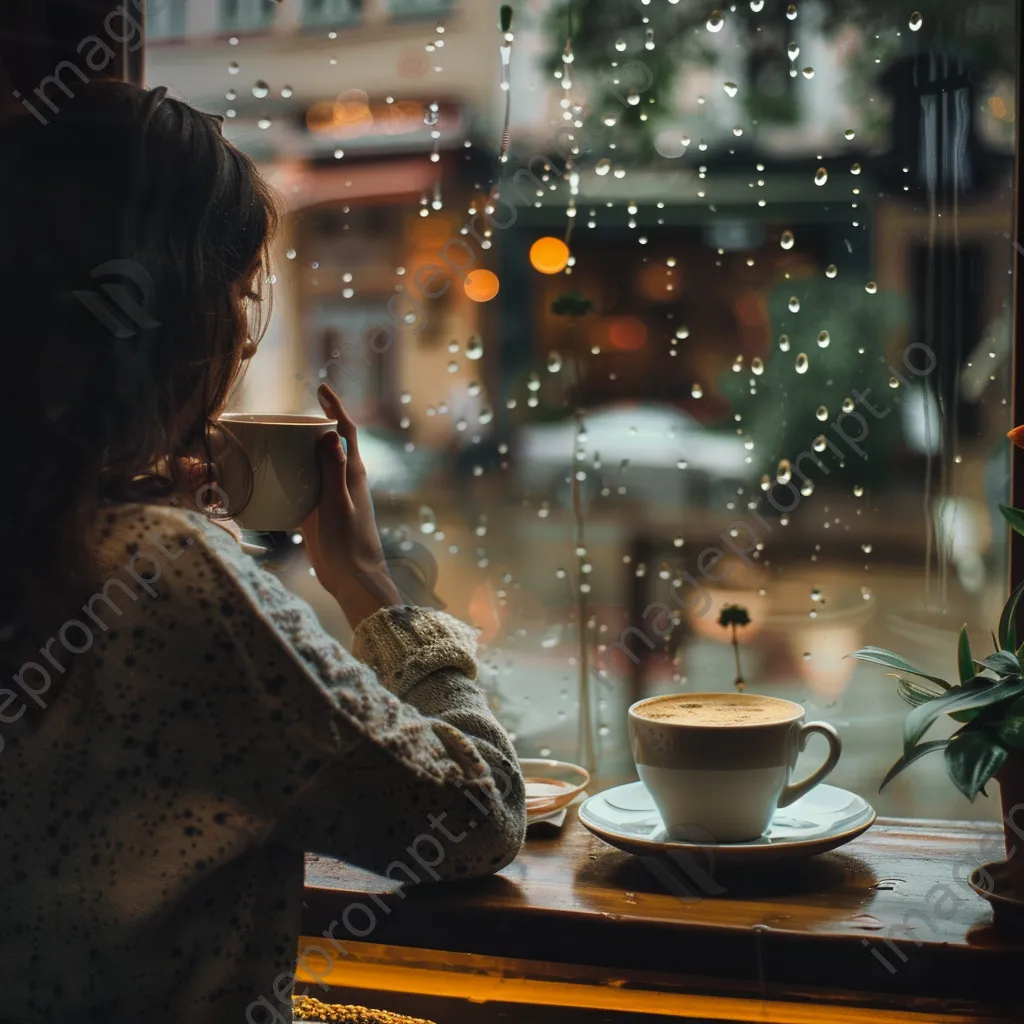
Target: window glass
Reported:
[(706, 307)]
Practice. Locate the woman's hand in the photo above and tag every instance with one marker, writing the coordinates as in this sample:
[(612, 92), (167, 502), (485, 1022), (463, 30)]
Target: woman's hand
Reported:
[(341, 535)]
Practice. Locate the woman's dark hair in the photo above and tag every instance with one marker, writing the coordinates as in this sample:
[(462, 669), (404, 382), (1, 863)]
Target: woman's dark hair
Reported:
[(134, 259)]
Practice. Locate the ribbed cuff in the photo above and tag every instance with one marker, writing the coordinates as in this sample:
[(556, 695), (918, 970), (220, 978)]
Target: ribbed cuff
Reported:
[(404, 645)]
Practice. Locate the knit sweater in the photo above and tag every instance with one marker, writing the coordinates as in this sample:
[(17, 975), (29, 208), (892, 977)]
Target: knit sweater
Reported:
[(207, 733)]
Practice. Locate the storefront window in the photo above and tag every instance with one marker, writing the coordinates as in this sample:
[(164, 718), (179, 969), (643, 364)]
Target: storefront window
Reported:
[(730, 324)]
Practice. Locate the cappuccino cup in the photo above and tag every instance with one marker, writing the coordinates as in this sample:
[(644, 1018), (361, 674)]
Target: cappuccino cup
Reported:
[(279, 451), (718, 765)]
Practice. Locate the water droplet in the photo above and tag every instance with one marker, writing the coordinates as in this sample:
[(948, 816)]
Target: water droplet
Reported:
[(871, 287), (893, 382), (815, 594), (610, 120), (233, 68), (697, 391), (784, 473), (783, 342), (648, 42), (475, 347), (858, 491), (620, 45), (855, 168), (291, 254), (264, 123), (231, 95), (731, 88), (554, 362), (824, 339), (865, 592), (786, 240), (633, 99), (757, 366), (808, 72), (428, 521), (618, 172), (820, 444), (808, 488), (849, 133), (866, 548), (602, 167), (791, 12), (821, 413), (453, 367), (831, 270), (794, 304), (793, 51), (716, 21), (682, 333), (756, 5), (916, 21), (821, 176), (533, 382), (260, 89), (801, 363), (431, 115), (473, 388), (847, 404), (287, 92)]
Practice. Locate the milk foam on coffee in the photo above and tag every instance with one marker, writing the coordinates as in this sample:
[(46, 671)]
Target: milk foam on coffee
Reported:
[(746, 710)]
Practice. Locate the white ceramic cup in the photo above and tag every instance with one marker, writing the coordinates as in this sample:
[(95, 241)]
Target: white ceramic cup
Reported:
[(281, 451), (722, 782)]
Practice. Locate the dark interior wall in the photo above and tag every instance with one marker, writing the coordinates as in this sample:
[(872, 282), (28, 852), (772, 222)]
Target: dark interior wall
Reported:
[(37, 35)]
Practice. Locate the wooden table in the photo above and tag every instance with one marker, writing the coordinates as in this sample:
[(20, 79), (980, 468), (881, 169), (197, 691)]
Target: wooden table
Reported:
[(884, 929)]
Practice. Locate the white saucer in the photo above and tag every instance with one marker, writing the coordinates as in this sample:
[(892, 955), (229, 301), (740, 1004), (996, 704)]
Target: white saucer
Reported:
[(825, 818)]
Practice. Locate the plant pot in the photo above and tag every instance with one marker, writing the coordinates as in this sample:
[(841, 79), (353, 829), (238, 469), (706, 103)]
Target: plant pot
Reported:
[(1011, 791)]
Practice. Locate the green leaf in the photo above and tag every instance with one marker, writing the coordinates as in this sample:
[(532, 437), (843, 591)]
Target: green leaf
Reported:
[(960, 698), (1009, 726), (1014, 516), (909, 758), (880, 656), (1007, 626), (915, 693), (972, 758), (965, 663), (1003, 663)]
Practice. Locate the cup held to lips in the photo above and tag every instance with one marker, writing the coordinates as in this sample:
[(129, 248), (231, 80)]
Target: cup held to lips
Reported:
[(718, 765), (280, 452)]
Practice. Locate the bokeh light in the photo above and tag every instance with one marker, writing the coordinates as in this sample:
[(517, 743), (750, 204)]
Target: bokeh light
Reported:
[(549, 255), (626, 333), (481, 285)]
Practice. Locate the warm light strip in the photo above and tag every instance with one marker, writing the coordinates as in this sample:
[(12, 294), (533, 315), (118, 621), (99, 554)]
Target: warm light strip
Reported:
[(492, 987)]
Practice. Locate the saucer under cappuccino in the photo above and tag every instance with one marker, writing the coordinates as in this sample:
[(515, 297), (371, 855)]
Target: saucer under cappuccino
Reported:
[(718, 765)]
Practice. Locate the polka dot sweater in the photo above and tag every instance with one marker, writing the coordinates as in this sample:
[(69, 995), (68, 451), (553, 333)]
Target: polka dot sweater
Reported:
[(208, 733)]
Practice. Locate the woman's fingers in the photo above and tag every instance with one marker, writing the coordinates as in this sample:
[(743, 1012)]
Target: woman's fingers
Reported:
[(334, 465), (346, 427)]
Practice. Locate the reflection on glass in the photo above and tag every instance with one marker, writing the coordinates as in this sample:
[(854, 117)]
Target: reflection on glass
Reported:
[(731, 324)]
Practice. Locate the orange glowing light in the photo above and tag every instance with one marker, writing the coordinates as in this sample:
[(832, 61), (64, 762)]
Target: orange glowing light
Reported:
[(549, 255), (481, 285), (626, 333)]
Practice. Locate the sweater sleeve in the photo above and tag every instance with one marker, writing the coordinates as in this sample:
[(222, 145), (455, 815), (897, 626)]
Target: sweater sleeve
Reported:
[(389, 759)]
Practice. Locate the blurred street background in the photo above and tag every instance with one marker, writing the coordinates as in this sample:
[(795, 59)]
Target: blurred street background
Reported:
[(713, 234)]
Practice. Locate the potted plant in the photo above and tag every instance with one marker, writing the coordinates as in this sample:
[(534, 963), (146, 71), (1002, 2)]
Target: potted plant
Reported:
[(988, 705)]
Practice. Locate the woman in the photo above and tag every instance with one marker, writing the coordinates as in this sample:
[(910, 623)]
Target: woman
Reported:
[(177, 730)]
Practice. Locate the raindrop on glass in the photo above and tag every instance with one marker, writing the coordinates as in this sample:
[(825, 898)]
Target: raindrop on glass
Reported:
[(865, 592), (893, 382), (783, 342), (233, 68), (697, 391), (620, 45), (866, 548), (291, 254), (871, 287), (757, 366), (784, 472), (260, 89), (716, 21), (756, 5), (619, 172), (801, 363), (823, 339), (821, 413), (791, 12), (849, 134), (855, 169), (731, 88), (808, 72), (475, 347), (533, 382), (231, 95), (815, 594), (821, 176), (847, 404), (831, 270), (431, 115), (264, 123), (602, 167), (786, 240), (649, 39), (858, 491), (287, 92), (794, 304), (916, 21), (428, 521), (820, 444), (793, 51), (682, 333)]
